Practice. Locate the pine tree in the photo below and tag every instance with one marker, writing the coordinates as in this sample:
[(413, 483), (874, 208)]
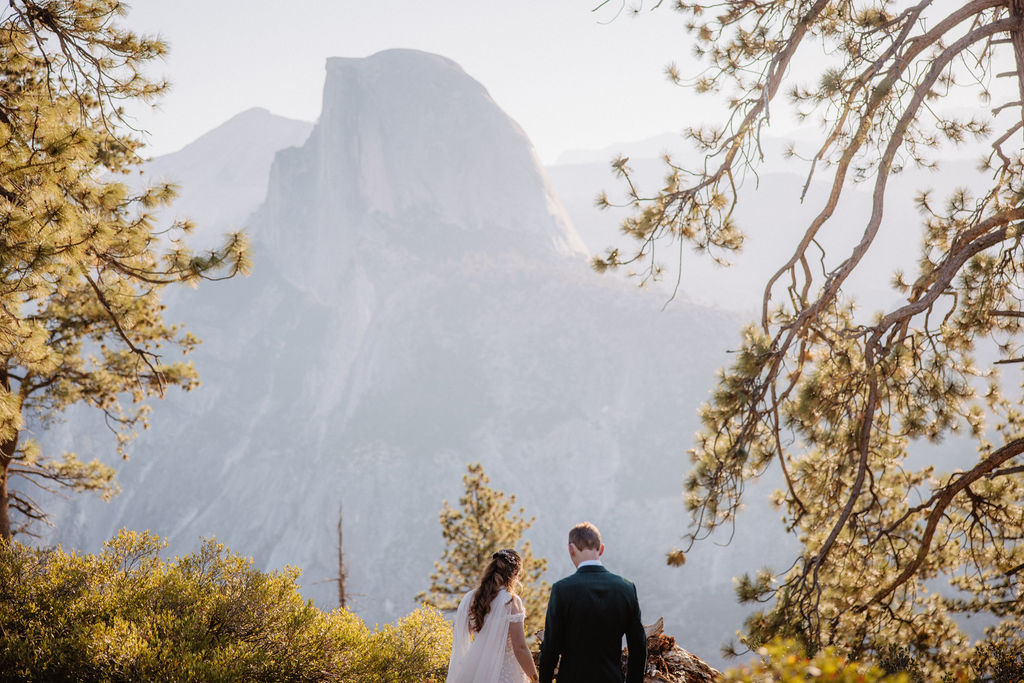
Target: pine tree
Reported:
[(82, 264), (833, 397), (483, 524)]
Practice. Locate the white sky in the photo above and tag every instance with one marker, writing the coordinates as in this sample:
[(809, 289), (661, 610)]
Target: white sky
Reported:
[(573, 78), (569, 80)]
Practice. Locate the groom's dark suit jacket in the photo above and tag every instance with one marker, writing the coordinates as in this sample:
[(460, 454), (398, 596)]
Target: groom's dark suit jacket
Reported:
[(588, 613)]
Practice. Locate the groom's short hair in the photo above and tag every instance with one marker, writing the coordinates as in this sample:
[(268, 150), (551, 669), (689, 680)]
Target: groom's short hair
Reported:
[(585, 536)]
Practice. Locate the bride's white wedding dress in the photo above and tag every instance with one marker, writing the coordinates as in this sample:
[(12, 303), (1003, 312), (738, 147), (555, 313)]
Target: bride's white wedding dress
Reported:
[(487, 656), (511, 672)]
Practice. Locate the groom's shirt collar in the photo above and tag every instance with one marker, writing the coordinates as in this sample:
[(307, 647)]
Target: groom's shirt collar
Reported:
[(589, 563)]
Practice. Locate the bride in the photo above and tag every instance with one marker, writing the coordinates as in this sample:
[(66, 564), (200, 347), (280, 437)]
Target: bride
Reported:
[(489, 644)]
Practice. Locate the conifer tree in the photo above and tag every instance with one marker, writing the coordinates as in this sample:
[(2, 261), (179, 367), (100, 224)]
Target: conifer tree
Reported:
[(82, 263), (483, 524), (833, 397)]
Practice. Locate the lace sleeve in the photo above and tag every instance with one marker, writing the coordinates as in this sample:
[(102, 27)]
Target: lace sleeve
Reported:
[(517, 613)]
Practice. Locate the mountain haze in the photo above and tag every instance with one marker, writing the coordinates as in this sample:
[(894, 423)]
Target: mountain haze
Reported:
[(225, 171), (421, 301)]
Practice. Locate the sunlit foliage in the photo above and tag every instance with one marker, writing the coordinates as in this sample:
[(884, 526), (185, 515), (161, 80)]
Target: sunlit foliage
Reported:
[(483, 524), (128, 615), (784, 662), (82, 262), (830, 397)]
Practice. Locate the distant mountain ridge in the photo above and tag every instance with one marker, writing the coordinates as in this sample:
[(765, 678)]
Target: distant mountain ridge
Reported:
[(235, 159), (406, 136), (420, 301)]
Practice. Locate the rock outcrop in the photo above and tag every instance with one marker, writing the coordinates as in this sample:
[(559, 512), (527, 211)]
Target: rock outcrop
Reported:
[(667, 662)]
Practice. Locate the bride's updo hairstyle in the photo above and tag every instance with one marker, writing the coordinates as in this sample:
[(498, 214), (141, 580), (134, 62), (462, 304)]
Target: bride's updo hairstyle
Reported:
[(500, 573)]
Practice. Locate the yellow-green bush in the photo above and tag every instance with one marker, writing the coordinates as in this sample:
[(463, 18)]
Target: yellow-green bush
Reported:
[(998, 659), (127, 615), (413, 649), (783, 662)]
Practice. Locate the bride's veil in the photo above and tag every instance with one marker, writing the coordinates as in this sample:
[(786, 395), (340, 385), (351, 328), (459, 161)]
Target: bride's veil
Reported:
[(478, 659)]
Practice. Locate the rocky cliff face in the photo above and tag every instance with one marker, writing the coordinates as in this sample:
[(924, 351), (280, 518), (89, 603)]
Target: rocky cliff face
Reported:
[(420, 302), (409, 153)]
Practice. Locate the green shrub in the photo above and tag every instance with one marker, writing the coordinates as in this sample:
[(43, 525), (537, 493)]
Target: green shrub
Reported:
[(900, 659), (127, 615), (999, 661), (416, 648), (784, 662)]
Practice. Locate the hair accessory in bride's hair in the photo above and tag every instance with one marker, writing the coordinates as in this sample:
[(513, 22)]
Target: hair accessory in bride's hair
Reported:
[(506, 555)]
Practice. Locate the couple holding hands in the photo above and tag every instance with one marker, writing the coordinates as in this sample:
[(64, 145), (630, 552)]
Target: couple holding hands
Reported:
[(588, 613)]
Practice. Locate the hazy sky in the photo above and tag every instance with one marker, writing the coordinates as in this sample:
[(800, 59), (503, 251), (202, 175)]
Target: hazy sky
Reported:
[(570, 76)]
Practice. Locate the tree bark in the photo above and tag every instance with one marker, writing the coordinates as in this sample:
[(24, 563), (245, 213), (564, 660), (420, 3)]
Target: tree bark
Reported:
[(7, 450), (341, 565), (5, 515)]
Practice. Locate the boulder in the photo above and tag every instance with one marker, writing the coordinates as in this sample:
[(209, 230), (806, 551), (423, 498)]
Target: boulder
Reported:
[(668, 662)]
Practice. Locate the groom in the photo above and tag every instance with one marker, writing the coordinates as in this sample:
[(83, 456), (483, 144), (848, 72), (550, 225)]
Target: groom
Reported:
[(588, 613)]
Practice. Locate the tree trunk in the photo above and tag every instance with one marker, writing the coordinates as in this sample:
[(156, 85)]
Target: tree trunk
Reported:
[(341, 565), (5, 514), (7, 451)]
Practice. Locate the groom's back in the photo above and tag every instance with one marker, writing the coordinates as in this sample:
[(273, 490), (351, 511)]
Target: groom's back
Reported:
[(592, 610)]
